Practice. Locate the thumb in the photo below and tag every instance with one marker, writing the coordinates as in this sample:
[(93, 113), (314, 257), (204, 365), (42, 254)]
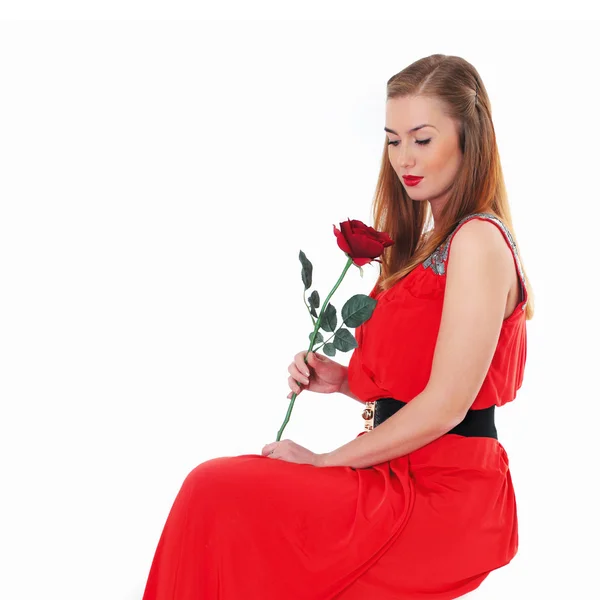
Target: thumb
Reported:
[(315, 357)]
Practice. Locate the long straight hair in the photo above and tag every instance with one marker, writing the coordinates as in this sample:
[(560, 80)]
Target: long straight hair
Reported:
[(479, 184)]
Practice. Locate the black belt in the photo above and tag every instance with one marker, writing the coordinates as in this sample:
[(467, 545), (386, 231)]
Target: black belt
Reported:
[(477, 422)]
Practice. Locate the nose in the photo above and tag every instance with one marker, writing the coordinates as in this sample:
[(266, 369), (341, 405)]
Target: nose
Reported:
[(404, 158)]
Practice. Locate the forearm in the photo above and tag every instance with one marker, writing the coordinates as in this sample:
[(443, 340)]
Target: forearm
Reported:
[(425, 418), (344, 389)]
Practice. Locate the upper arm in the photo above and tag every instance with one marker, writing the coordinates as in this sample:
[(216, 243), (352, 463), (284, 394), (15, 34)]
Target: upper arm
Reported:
[(479, 272)]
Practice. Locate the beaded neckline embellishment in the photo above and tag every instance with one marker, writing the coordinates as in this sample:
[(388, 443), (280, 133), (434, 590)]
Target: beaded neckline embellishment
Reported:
[(436, 261)]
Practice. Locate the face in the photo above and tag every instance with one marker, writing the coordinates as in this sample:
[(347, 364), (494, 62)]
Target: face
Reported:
[(431, 152)]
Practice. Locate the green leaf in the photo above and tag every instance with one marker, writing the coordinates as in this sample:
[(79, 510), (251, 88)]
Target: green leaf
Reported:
[(329, 349), (343, 340), (318, 337), (313, 312), (314, 299), (358, 309), (307, 270), (329, 318)]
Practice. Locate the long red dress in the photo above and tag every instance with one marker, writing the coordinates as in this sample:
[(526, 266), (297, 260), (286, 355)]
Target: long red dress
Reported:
[(431, 524)]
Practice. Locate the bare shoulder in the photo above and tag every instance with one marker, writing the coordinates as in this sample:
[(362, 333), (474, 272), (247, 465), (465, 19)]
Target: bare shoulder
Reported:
[(481, 241)]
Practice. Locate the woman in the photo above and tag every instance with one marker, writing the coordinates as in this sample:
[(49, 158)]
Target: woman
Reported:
[(421, 503)]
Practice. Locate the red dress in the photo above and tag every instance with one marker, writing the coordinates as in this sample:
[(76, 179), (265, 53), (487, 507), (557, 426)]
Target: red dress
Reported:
[(431, 524)]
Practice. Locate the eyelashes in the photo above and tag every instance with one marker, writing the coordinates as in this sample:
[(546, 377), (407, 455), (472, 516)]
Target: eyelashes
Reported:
[(420, 142)]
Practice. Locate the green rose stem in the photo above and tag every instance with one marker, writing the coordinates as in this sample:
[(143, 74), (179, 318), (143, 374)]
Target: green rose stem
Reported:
[(312, 342)]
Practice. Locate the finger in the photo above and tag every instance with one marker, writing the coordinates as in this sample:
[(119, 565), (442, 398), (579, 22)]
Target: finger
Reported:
[(296, 374), (300, 377), (301, 365), (294, 385), (266, 449), (315, 357)]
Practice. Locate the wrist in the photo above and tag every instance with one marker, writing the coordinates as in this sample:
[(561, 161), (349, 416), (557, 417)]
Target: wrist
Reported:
[(343, 389), (321, 459)]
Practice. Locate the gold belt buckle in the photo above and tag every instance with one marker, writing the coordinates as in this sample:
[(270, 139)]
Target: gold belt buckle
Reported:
[(368, 415)]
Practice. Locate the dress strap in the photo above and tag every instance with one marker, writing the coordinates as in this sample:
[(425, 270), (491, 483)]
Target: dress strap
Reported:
[(437, 260)]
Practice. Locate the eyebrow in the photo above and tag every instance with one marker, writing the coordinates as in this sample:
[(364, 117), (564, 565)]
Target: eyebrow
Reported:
[(410, 130)]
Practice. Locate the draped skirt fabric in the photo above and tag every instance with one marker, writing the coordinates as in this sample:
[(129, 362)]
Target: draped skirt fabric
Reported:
[(431, 524)]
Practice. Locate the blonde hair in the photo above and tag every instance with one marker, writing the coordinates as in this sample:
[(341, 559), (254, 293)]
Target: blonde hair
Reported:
[(479, 184)]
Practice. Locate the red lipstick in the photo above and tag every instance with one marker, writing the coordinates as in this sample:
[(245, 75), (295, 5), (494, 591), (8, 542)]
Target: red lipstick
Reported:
[(411, 179)]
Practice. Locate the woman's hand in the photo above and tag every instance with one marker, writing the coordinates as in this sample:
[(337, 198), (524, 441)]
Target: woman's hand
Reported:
[(291, 452), (325, 376)]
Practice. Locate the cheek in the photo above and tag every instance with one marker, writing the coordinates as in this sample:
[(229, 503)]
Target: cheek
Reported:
[(443, 161)]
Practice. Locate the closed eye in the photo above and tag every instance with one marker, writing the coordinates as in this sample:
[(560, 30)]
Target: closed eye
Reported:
[(420, 142)]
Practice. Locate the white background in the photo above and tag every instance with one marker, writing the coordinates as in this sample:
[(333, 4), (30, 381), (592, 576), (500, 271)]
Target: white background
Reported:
[(158, 179)]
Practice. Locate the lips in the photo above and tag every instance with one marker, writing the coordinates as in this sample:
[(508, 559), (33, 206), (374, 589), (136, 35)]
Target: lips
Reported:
[(411, 180)]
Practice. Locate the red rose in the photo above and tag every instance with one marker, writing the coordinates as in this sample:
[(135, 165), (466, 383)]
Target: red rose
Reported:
[(361, 242)]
